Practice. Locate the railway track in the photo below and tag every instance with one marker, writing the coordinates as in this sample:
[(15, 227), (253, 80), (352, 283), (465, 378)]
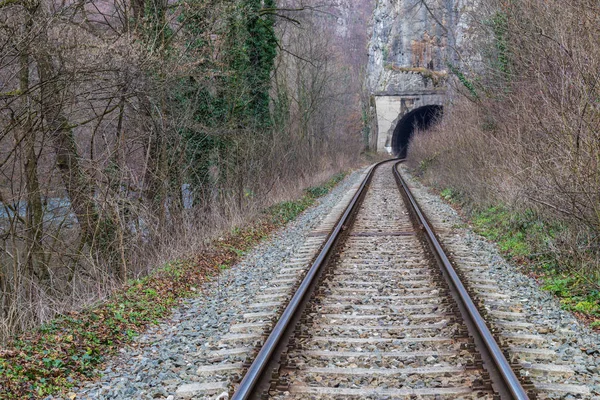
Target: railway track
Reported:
[(380, 314), (541, 345), (354, 300)]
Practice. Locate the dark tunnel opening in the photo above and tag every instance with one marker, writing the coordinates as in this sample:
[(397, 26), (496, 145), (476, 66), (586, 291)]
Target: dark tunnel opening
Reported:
[(420, 118)]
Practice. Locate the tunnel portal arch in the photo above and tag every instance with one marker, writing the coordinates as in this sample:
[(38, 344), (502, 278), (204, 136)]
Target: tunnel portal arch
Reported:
[(419, 118), (390, 108)]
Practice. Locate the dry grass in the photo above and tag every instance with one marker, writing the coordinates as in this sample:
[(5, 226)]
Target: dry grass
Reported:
[(125, 124), (527, 136), (532, 135), (67, 349)]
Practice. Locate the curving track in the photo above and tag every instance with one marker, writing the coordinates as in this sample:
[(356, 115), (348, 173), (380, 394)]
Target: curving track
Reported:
[(376, 317)]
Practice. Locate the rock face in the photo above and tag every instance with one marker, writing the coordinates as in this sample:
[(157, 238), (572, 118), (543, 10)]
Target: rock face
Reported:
[(412, 42), (413, 45)]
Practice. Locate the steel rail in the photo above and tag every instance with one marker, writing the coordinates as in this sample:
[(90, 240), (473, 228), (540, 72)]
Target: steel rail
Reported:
[(501, 367), (259, 369)]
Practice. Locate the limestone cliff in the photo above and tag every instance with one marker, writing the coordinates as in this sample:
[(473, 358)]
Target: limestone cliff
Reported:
[(413, 45), (412, 42)]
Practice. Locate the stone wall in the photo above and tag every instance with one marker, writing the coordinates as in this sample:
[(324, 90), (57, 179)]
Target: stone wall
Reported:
[(412, 43), (391, 109)]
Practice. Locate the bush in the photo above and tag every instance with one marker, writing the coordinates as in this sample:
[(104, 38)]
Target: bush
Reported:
[(525, 136)]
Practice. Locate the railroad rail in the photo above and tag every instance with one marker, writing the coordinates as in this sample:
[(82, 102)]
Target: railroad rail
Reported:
[(381, 313)]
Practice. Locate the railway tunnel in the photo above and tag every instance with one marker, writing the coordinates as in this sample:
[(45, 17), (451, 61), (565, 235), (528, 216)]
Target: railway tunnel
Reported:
[(420, 118)]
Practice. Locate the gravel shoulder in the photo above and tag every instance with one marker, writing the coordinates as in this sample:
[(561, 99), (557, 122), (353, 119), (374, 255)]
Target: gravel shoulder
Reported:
[(168, 356), (559, 353), (561, 349)]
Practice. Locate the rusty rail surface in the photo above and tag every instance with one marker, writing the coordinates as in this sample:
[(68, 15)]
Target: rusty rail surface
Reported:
[(504, 380), (257, 380)]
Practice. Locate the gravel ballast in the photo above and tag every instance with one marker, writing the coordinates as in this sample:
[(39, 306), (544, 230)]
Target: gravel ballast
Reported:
[(202, 348), (382, 324), (559, 354), (164, 362)]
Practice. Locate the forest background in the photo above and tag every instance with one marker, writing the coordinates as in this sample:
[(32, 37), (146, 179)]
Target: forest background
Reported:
[(134, 132)]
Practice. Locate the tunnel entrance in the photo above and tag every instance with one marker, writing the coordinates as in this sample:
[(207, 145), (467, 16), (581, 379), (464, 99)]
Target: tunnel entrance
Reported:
[(421, 118)]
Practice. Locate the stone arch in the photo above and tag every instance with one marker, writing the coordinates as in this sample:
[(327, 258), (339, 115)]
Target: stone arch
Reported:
[(421, 118), (391, 108)]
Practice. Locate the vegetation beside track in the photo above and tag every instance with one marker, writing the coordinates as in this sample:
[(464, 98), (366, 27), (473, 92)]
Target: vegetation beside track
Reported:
[(531, 242), (522, 145), (67, 350)]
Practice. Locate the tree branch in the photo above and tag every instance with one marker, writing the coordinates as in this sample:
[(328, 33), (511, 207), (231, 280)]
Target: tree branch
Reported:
[(433, 15), (12, 93), (295, 55)]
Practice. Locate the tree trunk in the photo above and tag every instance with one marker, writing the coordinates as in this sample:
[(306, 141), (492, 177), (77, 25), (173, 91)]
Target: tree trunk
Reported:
[(154, 177), (34, 212), (76, 181), (137, 7)]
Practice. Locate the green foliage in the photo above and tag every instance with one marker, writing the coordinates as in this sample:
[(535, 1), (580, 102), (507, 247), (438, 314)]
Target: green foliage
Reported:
[(204, 153), (524, 237), (261, 49), (227, 93), (317, 191), (516, 233), (281, 108), (463, 79), (448, 194), (289, 210), (499, 25), (573, 295), (322, 190), (558, 286), (587, 307), (155, 29)]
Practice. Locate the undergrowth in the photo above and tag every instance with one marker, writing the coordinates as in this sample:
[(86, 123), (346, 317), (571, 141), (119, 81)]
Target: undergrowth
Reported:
[(288, 210), (528, 241), (68, 349)]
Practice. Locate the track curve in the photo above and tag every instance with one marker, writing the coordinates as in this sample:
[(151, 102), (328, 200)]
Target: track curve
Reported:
[(375, 316)]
